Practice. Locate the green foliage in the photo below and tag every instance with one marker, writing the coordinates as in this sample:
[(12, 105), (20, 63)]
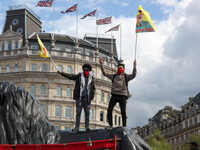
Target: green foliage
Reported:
[(157, 141)]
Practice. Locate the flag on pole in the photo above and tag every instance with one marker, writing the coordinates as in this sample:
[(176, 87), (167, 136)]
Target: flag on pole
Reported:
[(43, 52), (71, 9), (144, 22), (116, 28), (91, 14), (104, 21), (45, 3)]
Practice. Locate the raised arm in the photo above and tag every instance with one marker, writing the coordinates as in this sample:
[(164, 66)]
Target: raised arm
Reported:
[(134, 72), (110, 76), (69, 76)]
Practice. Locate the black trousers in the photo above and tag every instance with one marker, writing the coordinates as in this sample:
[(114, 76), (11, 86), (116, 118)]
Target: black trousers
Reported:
[(121, 99), (83, 103)]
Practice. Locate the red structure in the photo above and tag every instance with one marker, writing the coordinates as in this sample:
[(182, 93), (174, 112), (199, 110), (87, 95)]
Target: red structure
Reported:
[(110, 144)]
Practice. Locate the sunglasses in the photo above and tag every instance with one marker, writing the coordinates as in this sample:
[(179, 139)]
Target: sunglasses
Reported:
[(85, 69)]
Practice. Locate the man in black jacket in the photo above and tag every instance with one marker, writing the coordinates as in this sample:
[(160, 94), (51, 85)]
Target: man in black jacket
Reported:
[(83, 93)]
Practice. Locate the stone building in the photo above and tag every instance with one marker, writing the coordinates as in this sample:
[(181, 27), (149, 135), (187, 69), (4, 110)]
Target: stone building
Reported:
[(21, 64), (175, 125)]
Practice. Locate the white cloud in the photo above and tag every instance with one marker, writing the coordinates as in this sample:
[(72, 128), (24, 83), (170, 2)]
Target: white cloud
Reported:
[(124, 4)]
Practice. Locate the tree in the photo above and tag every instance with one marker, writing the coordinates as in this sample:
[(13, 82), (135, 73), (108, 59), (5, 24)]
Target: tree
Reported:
[(157, 141)]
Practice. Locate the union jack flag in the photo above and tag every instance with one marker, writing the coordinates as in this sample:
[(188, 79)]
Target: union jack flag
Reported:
[(71, 9), (45, 3), (116, 28), (104, 21), (91, 14)]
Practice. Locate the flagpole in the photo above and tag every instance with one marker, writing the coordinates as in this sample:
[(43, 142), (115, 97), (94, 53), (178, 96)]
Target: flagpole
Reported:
[(111, 37), (53, 19), (77, 25), (136, 45), (97, 31), (120, 42)]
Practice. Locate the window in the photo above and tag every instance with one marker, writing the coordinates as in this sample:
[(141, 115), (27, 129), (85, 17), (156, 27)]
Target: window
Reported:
[(108, 98), (44, 67), (10, 45), (57, 127), (119, 121), (15, 22), (0, 69), (32, 90), (57, 111), (68, 50), (91, 114), (101, 116), (102, 96), (20, 30), (60, 68), (16, 45), (68, 92), (16, 68), (7, 68), (3, 46), (42, 90), (68, 112), (67, 129), (69, 69), (115, 119), (34, 46), (58, 91), (34, 67)]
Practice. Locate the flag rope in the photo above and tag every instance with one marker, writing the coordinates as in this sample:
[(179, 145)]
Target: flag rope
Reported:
[(136, 45)]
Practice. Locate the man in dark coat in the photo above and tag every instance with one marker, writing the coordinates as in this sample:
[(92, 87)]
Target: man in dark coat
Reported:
[(119, 90), (83, 93)]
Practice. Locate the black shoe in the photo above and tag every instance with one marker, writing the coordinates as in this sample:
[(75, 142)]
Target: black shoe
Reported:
[(88, 130), (76, 129)]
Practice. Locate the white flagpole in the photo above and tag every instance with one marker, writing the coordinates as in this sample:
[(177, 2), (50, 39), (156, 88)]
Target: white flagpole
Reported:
[(97, 31), (136, 45), (120, 42), (77, 24), (111, 37), (53, 19)]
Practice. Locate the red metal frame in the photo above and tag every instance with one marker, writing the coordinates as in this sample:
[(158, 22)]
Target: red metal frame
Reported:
[(89, 145)]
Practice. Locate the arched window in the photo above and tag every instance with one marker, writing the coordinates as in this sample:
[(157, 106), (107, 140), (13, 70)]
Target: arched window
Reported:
[(57, 111), (91, 114), (68, 92), (68, 112), (10, 45), (42, 90), (119, 121), (44, 67), (2, 46), (16, 45), (102, 97), (101, 116), (7, 68), (108, 98), (69, 69), (115, 119), (34, 67), (16, 68), (58, 91), (32, 90), (60, 68)]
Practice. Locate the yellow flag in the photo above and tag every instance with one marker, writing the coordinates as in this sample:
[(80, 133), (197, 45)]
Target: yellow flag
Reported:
[(144, 22), (43, 52)]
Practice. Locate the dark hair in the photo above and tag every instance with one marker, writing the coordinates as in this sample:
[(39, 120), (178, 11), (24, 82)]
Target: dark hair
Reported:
[(193, 143), (87, 66), (121, 64)]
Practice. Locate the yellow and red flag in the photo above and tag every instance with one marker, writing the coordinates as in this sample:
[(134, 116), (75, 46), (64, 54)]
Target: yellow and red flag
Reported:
[(144, 22), (43, 52)]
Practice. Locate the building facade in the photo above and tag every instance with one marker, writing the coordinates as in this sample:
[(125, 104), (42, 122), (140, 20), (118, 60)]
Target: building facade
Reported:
[(21, 64), (175, 125)]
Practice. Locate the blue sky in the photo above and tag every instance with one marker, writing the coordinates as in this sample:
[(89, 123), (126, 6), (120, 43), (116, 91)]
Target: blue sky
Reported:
[(167, 60)]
